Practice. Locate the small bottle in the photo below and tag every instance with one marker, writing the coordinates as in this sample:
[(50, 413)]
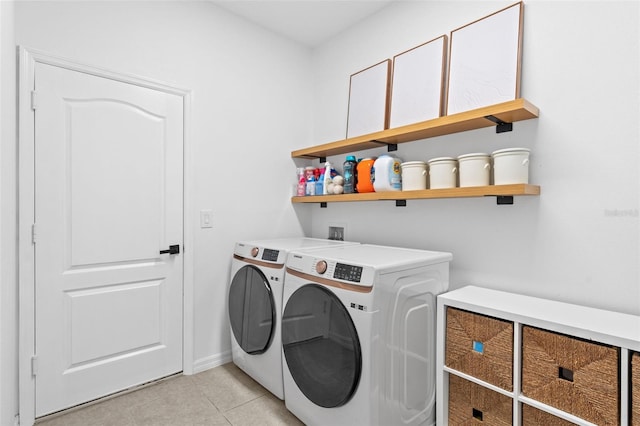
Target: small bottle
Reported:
[(319, 184), (311, 186), (302, 185), (326, 178), (349, 169)]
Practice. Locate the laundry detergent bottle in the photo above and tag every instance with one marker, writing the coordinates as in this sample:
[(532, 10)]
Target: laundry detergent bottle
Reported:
[(365, 182), (349, 174), (387, 174)]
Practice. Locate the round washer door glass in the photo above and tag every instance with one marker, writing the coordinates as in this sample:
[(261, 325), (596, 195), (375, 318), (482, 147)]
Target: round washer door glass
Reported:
[(251, 310), (321, 346)]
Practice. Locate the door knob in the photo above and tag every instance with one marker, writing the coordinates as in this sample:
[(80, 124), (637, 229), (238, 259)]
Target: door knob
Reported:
[(174, 249)]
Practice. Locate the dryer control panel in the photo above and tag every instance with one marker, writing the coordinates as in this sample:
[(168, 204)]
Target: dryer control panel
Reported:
[(270, 255), (331, 269)]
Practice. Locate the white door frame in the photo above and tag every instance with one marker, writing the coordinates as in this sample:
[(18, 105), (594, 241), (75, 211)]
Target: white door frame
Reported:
[(26, 215)]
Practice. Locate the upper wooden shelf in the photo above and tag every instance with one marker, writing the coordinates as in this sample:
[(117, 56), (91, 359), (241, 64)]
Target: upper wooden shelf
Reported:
[(507, 112)]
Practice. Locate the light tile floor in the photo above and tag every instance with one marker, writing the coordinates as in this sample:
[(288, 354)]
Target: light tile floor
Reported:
[(224, 395)]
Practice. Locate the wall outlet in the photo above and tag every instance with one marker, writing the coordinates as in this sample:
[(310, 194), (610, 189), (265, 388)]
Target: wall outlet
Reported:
[(336, 233)]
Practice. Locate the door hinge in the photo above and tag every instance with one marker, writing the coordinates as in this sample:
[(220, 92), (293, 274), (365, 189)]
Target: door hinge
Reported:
[(34, 100), (33, 233), (34, 365)]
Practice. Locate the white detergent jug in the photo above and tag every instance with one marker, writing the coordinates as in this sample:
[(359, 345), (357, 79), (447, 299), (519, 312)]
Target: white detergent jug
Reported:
[(387, 174)]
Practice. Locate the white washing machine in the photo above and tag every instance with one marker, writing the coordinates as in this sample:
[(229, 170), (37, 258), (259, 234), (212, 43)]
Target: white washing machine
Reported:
[(359, 334), (255, 305)]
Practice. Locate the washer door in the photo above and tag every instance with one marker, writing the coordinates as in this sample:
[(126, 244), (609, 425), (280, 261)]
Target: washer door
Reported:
[(251, 310), (321, 346)]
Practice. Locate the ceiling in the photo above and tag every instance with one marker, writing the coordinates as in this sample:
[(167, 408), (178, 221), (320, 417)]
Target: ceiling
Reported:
[(310, 22)]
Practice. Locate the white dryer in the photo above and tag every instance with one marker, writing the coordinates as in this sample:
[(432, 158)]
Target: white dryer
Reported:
[(359, 334), (255, 305)]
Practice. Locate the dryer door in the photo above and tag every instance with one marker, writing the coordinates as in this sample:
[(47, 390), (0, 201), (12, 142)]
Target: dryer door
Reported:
[(321, 346), (251, 310)]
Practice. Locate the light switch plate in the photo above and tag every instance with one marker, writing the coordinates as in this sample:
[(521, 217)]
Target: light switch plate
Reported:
[(206, 219)]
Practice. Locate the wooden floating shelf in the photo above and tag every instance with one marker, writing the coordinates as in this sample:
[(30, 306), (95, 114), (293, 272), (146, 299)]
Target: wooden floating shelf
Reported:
[(507, 112), (475, 191)]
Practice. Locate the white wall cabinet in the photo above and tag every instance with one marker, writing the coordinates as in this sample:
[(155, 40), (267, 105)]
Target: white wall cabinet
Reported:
[(505, 358)]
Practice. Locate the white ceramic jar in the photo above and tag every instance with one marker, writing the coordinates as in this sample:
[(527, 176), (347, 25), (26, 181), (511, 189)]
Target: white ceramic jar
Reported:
[(510, 166), (443, 172), (474, 169), (414, 175)]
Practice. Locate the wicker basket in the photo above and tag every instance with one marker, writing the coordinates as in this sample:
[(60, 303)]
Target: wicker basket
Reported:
[(533, 417), (480, 346), (635, 389), (571, 374), (470, 404)]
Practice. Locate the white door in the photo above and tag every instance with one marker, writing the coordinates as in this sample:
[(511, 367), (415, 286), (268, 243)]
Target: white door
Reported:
[(108, 199)]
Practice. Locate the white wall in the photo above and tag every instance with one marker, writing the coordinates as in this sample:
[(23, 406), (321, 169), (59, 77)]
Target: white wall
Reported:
[(250, 107), (578, 241)]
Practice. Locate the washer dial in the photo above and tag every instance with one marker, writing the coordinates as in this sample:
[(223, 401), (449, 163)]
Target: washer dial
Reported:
[(321, 267)]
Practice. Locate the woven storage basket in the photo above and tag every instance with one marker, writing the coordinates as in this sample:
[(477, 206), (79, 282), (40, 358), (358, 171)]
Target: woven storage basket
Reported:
[(533, 417), (471, 404), (571, 374), (466, 331), (635, 389)]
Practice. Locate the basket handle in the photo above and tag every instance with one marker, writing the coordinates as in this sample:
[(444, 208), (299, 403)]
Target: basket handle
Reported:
[(565, 374)]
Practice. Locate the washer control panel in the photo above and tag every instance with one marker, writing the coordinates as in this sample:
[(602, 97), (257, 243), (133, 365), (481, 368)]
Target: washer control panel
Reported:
[(348, 272)]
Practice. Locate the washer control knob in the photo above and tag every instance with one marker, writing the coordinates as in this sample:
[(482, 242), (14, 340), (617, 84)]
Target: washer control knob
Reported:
[(321, 267), (255, 251)]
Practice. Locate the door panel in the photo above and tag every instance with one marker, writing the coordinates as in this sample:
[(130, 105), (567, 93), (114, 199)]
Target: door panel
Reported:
[(92, 323), (129, 194), (108, 197)]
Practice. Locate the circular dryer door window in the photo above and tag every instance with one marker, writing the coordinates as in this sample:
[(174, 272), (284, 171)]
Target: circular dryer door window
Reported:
[(321, 346), (251, 310)]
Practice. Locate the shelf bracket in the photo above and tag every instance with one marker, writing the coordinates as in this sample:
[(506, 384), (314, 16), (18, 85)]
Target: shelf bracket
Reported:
[(401, 203), (323, 204), (322, 160), (390, 146), (503, 200), (501, 126)]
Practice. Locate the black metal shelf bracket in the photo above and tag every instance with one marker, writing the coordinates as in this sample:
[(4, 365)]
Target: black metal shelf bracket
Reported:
[(501, 126), (401, 203), (390, 146), (323, 204), (503, 200), (322, 159)]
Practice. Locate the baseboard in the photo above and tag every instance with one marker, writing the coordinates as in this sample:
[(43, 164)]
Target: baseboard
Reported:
[(211, 361)]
